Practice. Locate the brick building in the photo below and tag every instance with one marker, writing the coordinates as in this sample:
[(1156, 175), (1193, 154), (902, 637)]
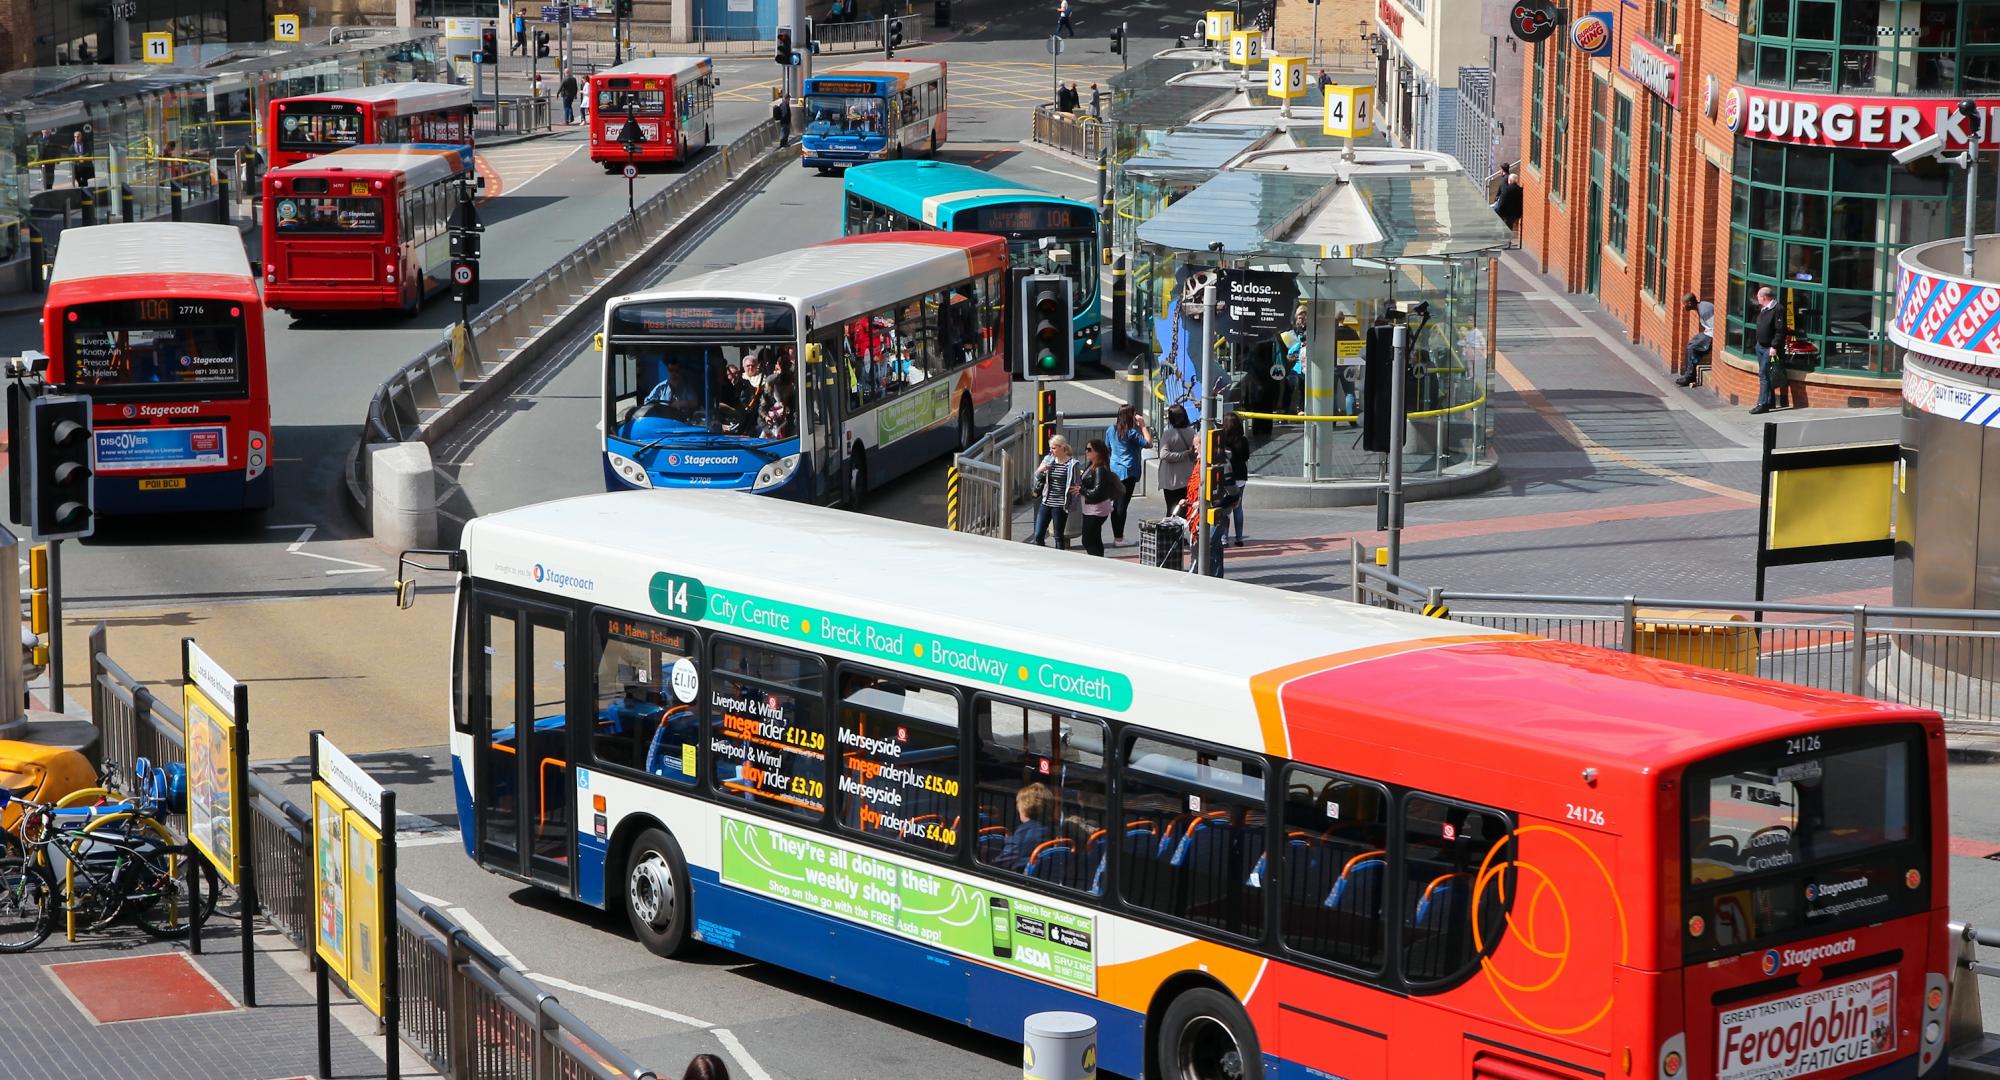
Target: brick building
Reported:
[(1722, 145)]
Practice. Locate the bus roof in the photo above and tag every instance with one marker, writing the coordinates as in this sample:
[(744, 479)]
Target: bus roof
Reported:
[(903, 71), (931, 191), (844, 277), (151, 249), (657, 66), (1220, 660), (407, 97), (418, 163)]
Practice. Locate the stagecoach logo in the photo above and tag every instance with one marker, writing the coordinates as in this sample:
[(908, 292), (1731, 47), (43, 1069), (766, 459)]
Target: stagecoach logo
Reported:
[(1776, 960), (1816, 893), (1771, 961), (546, 576), (161, 410)]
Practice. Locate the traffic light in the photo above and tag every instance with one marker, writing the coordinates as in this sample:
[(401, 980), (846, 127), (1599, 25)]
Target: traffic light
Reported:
[(1213, 472), (895, 35), (61, 489), (541, 43), (1047, 315), (1378, 360), (1117, 39), (489, 46), (623, 8), (1047, 420), (784, 45)]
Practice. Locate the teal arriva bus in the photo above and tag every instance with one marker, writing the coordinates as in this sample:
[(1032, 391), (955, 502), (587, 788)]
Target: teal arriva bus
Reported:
[(896, 196)]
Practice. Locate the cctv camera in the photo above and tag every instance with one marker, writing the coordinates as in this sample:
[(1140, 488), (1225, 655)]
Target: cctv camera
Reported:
[(1927, 146)]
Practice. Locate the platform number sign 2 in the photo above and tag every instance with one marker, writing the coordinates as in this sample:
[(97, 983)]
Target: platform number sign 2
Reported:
[(1246, 47), (284, 28), (157, 48), (1350, 112)]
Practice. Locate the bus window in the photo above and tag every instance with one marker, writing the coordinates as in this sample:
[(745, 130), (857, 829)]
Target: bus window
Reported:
[(919, 352), (347, 215), (843, 114), (767, 732), (899, 767), (1210, 807), (1444, 846), (1041, 796), (873, 358), (646, 686), (1333, 874), (992, 311)]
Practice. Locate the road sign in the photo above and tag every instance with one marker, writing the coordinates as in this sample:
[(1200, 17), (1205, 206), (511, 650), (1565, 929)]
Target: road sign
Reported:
[(1287, 77), (157, 48), (631, 171), (1350, 112), (463, 273), (1246, 47), (284, 28), (1055, 44)]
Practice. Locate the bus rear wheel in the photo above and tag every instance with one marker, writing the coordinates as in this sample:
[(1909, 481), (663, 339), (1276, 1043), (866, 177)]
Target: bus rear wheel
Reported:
[(1206, 1035), (857, 477), (657, 895)]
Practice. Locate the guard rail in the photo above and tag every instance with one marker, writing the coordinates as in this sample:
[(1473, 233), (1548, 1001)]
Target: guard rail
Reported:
[(1071, 133), (514, 116), (990, 477)]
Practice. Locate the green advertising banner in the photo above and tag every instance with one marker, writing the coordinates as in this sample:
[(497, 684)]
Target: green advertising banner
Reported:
[(973, 921), (689, 598)]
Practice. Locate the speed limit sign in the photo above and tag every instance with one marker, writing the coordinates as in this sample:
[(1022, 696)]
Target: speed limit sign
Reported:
[(464, 274), (465, 281), (631, 171)]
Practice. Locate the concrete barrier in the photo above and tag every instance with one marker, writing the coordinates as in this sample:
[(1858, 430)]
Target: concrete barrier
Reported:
[(403, 503)]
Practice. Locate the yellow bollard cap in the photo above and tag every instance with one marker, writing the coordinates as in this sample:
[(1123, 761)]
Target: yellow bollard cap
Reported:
[(1381, 556)]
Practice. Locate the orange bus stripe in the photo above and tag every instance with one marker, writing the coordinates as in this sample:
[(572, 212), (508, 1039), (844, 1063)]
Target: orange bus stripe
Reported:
[(1264, 686)]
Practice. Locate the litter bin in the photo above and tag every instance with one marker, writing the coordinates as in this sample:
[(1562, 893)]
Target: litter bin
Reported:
[(1723, 640), (941, 13)]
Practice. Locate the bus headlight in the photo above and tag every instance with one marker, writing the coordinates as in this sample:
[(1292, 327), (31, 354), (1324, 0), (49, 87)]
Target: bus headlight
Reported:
[(629, 471), (776, 473)]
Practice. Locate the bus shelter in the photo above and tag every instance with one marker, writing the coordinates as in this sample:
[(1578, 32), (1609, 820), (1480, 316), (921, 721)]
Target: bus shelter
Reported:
[(1352, 239)]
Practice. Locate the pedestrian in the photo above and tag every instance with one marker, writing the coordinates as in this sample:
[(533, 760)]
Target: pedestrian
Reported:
[(1096, 102), (81, 169), (1770, 339), (1062, 18), (1128, 435), (1325, 80), (1103, 495), (1236, 454), (1508, 205), (1701, 343), (567, 91), (1177, 454), (1056, 480), (706, 1067), (45, 147)]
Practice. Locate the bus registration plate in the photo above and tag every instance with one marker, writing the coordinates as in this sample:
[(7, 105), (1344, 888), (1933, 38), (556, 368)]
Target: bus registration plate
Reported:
[(1824, 1028), (164, 483)]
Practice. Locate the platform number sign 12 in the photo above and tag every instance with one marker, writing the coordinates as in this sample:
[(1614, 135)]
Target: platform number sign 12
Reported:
[(157, 48), (284, 28), (1350, 112), (1287, 77)]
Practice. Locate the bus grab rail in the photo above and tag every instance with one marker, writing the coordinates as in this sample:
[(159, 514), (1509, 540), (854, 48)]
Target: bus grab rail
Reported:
[(428, 397)]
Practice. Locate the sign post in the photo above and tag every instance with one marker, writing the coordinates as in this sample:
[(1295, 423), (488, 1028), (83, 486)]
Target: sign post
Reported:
[(354, 895), (217, 734), (1348, 113), (1286, 81)]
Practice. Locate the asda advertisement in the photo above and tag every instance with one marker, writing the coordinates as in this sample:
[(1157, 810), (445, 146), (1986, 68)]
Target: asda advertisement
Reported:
[(1007, 931)]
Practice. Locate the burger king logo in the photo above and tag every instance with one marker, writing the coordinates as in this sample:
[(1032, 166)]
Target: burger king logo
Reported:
[(1732, 108), (1591, 35), (1770, 962)]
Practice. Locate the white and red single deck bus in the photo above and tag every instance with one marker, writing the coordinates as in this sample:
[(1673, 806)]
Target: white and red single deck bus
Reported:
[(874, 109), (159, 322), (409, 112), (1283, 837), (671, 99), (366, 228)]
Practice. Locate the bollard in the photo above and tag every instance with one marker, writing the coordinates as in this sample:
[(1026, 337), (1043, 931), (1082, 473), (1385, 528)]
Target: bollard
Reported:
[(36, 270), (221, 197), (89, 208), (174, 201), (1059, 1046), (1135, 381)]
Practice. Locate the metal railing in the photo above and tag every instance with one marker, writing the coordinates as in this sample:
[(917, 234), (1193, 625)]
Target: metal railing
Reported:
[(514, 116), (466, 1012), (1943, 659), (1073, 133), (456, 372), (1966, 1038), (854, 35), (991, 477)]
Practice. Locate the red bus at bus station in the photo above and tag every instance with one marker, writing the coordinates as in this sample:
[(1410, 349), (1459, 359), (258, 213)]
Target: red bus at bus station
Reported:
[(160, 324), (642, 90), (411, 112), (361, 229)]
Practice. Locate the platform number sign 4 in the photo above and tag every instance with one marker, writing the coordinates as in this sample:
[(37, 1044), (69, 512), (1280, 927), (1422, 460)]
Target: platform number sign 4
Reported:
[(284, 28), (157, 48), (1350, 112)]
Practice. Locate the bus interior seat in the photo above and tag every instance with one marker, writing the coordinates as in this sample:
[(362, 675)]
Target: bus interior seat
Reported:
[(1053, 860), (992, 840)]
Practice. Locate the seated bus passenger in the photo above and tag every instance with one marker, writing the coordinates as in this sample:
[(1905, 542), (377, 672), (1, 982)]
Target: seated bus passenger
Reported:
[(778, 420), (1038, 808)]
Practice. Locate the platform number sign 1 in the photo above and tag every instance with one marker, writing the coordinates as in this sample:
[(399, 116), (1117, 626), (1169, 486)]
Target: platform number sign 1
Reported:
[(284, 28), (1217, 26), (157, 48), (1287, 77), (1350, 112)]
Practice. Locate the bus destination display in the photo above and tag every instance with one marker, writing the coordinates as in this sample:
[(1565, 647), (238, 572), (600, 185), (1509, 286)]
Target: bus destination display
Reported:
[(765, 746), (721, 317), (836, 86), (154, 340), (1031, 217)]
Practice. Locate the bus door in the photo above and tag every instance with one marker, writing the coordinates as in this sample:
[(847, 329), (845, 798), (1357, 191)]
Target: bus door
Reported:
[(821, 434), (521, 744)]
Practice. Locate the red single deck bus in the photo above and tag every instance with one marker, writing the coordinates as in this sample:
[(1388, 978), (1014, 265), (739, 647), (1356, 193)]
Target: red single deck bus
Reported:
[(412, 112), (363, 228), (641, 90), (160, 324)]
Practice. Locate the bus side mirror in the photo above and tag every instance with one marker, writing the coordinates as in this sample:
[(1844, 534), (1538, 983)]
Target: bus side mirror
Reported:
[(597, 341), (406, 594)]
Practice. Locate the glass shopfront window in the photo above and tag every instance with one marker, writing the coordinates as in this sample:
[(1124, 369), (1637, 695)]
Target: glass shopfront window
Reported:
[(1876, 47)]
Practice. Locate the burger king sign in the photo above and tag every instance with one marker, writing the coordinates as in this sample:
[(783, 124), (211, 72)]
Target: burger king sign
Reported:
[(1591, 35)]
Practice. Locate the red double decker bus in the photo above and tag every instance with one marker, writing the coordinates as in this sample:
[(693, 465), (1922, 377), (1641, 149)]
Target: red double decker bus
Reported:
[(361, 229), (159, 322), (671, 99), (413, 112)]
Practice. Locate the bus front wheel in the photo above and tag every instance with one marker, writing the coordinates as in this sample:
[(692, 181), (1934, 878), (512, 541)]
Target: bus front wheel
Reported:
[(1206, 1035), (857, 477), (966, 430), (657, 894)]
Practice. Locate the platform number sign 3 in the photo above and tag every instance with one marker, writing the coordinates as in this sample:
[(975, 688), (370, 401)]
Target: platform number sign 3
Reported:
[(1287, 77), (284, 28), (157, 48), (1350, 112)]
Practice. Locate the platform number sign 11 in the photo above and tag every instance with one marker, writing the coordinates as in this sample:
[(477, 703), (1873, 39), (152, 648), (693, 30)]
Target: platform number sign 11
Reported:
[(157, 48), (1350, 112)]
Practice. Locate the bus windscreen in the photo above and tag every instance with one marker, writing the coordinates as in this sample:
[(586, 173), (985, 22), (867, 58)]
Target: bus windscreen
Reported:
[(164, 347), (841, 114), (348, 215), (667, 390), (320, 126), (616, 103)]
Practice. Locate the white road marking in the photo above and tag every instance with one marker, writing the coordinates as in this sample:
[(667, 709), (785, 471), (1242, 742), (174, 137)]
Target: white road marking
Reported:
[(305, 534), (1105, 394), (742, 1057), (636, 1006), (1059, 172), (429, 899), (485, 937)]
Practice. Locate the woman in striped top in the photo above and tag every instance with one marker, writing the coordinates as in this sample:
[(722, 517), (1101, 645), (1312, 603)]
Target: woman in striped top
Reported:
[(1056, 479)]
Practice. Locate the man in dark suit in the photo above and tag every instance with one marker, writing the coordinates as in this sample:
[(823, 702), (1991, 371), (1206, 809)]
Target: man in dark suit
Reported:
[(1770, 338), (1509, 204)]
